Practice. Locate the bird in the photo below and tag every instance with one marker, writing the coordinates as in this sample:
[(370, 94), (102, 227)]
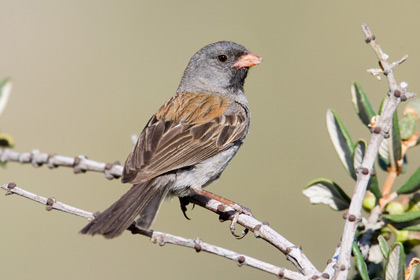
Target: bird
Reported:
[(188, 142)]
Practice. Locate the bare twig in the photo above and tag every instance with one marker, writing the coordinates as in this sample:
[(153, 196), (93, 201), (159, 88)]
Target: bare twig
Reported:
[(80, 164), (51, 203), (372, 224), (198, 245), (293, 253), (261, 230), (332, 263), (163, 238), (397, 93)]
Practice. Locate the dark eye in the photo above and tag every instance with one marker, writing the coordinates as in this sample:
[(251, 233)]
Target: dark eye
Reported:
[(222, 58)]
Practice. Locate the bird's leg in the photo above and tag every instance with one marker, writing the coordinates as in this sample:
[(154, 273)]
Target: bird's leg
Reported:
[(237, 207)]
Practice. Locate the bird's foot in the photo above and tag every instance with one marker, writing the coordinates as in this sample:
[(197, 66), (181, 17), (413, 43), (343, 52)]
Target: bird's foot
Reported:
[(183, 201)]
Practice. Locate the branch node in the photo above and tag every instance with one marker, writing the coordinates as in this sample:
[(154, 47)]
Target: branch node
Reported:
[(10, 187), (370, 39), (197, 248), (154, 239), (50, 163), (352, 218), (36, 162), (325, 276), (240, 260), (50, 203), (108, 166), (160, 240), (256, 230), (197, 245), (281, 273), (108, 170), (223, 216), (376, 129), (221, 208), (77, 164)]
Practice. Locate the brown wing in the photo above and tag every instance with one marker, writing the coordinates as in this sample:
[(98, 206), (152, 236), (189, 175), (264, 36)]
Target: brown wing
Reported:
[(188, 129)]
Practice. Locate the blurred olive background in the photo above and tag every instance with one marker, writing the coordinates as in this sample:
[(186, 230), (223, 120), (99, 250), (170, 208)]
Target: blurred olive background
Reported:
[(88, 74)]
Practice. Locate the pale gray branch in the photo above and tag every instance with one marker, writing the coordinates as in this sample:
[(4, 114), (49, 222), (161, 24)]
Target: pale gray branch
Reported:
[(198, 245), (80, 164), (51, 203), (396, 95), (163, 238), (262, 230)]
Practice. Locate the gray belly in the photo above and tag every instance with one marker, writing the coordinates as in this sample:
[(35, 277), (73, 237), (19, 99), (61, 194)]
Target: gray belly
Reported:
[(202, 174)]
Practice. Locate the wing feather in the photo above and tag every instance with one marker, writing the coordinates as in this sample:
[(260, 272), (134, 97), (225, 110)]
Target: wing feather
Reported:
[(175, 138)]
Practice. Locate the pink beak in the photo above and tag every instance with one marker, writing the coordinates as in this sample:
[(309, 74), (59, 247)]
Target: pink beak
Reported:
[(248, 60)]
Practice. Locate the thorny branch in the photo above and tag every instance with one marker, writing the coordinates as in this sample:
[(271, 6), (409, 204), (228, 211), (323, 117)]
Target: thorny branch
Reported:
[(162, 238), (397, 93)]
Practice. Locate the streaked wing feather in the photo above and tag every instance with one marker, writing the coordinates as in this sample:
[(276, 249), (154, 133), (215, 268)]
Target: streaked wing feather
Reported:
[(166, 145)]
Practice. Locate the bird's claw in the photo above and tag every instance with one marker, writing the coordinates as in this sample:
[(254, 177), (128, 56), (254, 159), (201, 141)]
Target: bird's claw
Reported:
[(232, 227), (183, 203), (242, 210)]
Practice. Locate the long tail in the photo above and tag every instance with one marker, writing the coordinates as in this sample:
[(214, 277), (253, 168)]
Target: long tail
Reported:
[(142, 199)]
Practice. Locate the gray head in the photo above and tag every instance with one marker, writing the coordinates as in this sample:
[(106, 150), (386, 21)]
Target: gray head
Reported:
[(220, 67)]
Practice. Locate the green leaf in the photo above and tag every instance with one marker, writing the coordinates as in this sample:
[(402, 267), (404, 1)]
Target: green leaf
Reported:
[(412, 228), (360, 262), (383, 155), (390, 149), (412, 185), (383, 245), (414, 104), (358, 155), (405, 217), (408, 126), (5, 88), (342, 141), (361, 104), (412, 269), (381, 106), (373, 186), (396, 139), (395, 263), (327, 192), (383, 162)]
